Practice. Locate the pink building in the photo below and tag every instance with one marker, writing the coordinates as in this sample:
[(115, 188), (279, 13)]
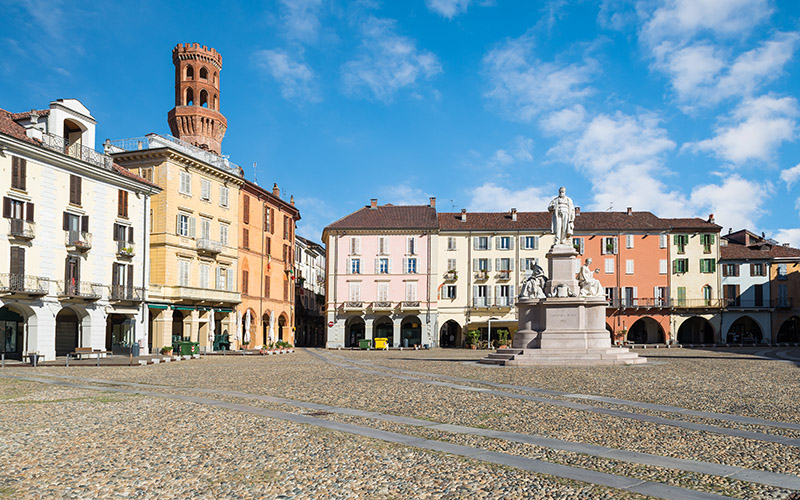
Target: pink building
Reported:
[(380, 268)]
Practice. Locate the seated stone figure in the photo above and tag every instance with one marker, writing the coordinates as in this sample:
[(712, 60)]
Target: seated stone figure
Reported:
[(589, 285), (533, 285)]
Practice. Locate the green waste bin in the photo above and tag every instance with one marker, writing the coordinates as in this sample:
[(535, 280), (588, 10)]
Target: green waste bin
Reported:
[(185, 348), (364, 344)]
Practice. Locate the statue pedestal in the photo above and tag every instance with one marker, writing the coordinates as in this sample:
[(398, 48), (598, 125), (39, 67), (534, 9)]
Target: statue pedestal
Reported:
[(564, 328)]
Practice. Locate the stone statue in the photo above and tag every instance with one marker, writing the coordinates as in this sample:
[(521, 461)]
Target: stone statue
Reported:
[(589, 285), (533, 285), (563, 210)]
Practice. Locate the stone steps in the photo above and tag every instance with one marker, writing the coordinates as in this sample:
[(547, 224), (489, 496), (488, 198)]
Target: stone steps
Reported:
[(521, 357)]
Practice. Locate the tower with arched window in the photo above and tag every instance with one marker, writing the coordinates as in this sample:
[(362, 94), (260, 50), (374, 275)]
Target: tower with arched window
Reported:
[(196, 118)]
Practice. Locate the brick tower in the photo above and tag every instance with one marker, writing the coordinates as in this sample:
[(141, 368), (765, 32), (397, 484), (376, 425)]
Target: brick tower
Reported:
[(196, 118)]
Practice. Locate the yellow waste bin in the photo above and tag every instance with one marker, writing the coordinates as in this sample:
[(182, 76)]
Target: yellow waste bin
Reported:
[(381, 343)]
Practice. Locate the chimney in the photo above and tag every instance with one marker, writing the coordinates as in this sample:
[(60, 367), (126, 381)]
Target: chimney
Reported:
[(33, 131), (630, 210), (711, 218), (463, 215), (291, 200), (373, 203), (577, 210), (275, 191), (514, 214), (433, 202)]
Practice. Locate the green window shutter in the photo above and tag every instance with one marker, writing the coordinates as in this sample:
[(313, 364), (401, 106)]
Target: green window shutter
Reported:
[(713, 262), (676, 239), (674, 267), (710, 239)]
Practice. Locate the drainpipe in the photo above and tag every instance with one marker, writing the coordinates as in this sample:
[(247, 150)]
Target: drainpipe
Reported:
[(145, 274)]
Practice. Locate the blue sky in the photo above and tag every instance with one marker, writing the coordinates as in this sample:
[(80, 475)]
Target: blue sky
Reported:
[(680, 107)]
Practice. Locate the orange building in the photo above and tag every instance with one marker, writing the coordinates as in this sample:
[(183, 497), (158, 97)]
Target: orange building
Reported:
[(266, 266), (630, 251)]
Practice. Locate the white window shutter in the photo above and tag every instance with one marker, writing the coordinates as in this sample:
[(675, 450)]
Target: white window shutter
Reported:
[(488, 243), (475, 265), (192, 226), (349, 269), (510, 264), (497, 264), (488, 295), (522, 242), (635, 292), (497, 294), (390, 266), (474, 242), (511, 295), (231, 284), (474, 294), (522, 264), (405, 266), (377, 265), (497, 242), (536, 243), (218, 282), (616, 246)]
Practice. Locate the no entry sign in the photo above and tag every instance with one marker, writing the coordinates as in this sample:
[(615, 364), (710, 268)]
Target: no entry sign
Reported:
[(330, 324)]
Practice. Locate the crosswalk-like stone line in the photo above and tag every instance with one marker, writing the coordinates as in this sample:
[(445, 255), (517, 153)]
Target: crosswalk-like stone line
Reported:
[(739, 473), (623, 402), (528, 464), (770, 438)]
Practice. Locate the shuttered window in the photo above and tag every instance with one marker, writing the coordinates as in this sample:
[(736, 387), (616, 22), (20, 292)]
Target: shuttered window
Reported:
[(246, 209), (245, 281), (17, 261), (122, 203), (74, 190), (18, 172), (245, 238)]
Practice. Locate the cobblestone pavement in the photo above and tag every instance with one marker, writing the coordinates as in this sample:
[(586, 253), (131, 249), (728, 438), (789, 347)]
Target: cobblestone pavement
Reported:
[(216, 428)]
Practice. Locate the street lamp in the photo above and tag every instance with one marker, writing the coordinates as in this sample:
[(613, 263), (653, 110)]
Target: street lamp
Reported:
[(489, 334)]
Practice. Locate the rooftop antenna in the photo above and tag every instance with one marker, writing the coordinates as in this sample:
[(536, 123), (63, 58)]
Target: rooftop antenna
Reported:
[(452, 205), (610, 207), (255, 174)]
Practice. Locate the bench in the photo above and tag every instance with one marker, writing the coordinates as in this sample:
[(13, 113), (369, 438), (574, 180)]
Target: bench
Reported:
[(79, 352), (40, 357)]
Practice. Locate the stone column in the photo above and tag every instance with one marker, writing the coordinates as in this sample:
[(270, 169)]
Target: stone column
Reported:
[(368, 328), (396, 322)]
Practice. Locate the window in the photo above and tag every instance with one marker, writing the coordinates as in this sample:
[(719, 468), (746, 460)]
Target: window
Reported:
[(355, 245), (681, 240), (782, 275), (123, 233), (383, 266), (481, 243), (17, 267), (480, 295), (355, 292), (758, 299), (660, 295), (730, 269), (186, 184), (204, 276), (629, 266), (608, 246), (18, 173), (758, 269), (205, 228), (504, 295), (629, 296), (451, 243), (662, 241), (481, 265), (355, 266), (449, 292), (411, 265), (578, 244), (75, 223), (504, 243), (707, 240), (680, 266), (451, 264), (285, 227), (268, 246), (185, 225), (223, 196), (504, 265), (184, 267), (15, 209), (246, 238), (383, 245), (266, 286), (609, 266), (223, 234), (681, 295), (611, 293), (662, 266), (205, 189), (411, 291), (526, 264), (147, 173), (783, 295), (411, 246), (628, 241), (708, 265), (122, 203), (731, 294), (74, 190), (245, 281), (266, 221), (530, 242), (383, 292)]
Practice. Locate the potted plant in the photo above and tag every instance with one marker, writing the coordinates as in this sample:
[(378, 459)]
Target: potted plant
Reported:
[(502, 338), (472, 338), (619, 336), (166, 350)]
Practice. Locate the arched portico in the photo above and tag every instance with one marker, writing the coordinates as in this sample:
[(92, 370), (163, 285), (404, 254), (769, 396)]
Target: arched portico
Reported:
[(410, 331), (744, 330), (12, 332), (789, 330), (354, 330), (383, 328), (450, 334), (646, 331), (67, 331), (120, 333), (696, 330)]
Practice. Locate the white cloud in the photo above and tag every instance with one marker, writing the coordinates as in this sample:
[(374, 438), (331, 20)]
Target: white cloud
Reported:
[(523, 87), (757, 127), (404, 194), (682, 19), (791, 175), (300, 19), (386, 62), (790, 236), (725, 201), (490, 197), (623, 157), (565, 120), (315, 214), (448, 8), (295, 78)]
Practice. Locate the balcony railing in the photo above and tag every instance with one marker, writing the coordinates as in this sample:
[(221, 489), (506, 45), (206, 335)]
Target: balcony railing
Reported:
[(380, 305), (482, 275), (22, 283), (639, 302), (127, 293), (757, 304), (698, 303), (77, 150), (480, 302), (80, 290), (126, 249), (503, 275), (409, 304), (353, 305), (504, 302), (207, 245), (782, 302), (154, 141), (78, 240), (21, 229), (451, 275)]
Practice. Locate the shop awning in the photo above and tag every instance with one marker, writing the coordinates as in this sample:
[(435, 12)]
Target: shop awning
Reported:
[(158, 306), (183, 308)]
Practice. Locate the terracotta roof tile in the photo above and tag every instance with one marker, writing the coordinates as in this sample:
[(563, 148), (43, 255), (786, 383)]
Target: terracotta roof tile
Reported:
[(127, 173), (27, 114), (692, 223), (389, 217), (11, 128), (734, 251), (585, 221)]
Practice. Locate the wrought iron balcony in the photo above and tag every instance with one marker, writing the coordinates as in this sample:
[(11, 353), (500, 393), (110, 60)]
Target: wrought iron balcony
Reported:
[(639, 303), (408, 305), (740, 303), (126, 248), (782, 302), (78, 240), (124, 293), (381, 306), (503, 275), (698, 303), (79, 290), (353, 306), (451, 275), (24, 284), (155, 141), (504, 302), (21, 229), (77, 151), (209, 246), (481, 303), (482, 275)]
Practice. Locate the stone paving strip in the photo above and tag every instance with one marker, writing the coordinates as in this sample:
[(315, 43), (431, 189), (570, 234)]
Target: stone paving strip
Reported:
[(531, 465), (731, 472), (616, 401), (578, 406)]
